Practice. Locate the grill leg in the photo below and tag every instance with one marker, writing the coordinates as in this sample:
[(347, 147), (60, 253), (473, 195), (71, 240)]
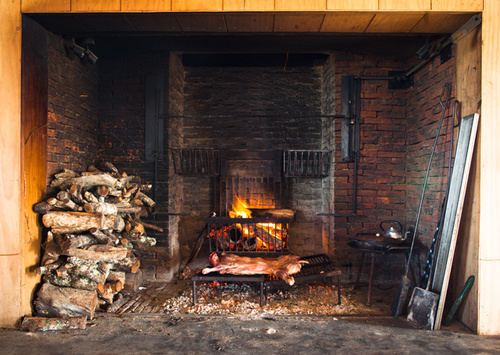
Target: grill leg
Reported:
[(261, 293), (358, 277), (370, 283), (338, 289), (194, 293)]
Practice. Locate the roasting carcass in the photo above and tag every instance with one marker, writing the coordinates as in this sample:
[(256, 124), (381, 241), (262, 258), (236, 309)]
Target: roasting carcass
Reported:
[(282, 267)]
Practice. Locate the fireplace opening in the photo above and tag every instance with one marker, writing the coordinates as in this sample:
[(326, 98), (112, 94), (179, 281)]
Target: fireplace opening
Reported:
[(209, 123)]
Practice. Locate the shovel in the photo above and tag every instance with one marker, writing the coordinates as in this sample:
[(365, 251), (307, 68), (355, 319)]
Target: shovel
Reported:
[(404, 286)]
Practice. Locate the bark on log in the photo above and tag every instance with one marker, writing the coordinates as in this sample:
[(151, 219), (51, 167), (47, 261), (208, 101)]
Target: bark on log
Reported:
[(55, 301), (42, 324), (42, 207), (116, 276), (274, 213), (47, 269), (76, 193), (151, 226), (146, 199), (127, 264), (111, 168), (73, 222), (96, 271), (86, 181), (65, 198), (102, 237), (74, 281), (98, 252), (78, 241), (90, 197)]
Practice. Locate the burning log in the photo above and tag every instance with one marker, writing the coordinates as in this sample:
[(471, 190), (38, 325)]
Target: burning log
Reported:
[(282, 267)]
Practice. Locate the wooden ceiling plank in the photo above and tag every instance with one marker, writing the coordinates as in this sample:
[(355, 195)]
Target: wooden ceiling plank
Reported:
[(248, 5), (95, 5), (457, 5), (44, 6), (365, 5), (201, 22), (197, 5), (300, 5), (394, 23), (154, 22), (405, 5), (146, 6), (298, 22), (440, 23), (249, 22), (346, 22)]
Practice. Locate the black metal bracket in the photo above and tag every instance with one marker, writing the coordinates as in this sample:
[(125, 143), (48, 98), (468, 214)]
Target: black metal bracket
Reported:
[(351, 109)]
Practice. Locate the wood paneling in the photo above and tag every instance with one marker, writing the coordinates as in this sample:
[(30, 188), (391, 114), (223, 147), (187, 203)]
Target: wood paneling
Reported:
[(95, 5), (468, 93), (346, 22), (394, 23), (197, 5), (46, 6), (249, 22), (440, 23), (365, 5), (489, 150), (248, 5), (457, 5), (300, 5), (406, 5), (298, 22), (10, 163), (145, 6), (201, 23)]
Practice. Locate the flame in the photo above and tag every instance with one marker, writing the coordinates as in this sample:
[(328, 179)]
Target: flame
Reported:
[(240, 209)]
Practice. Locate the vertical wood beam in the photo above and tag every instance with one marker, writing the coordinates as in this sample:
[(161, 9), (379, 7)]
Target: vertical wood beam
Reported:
[(489, 150), (10, 163)]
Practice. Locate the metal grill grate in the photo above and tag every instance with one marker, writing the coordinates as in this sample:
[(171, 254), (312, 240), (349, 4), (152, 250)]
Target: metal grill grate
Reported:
[(198, 162), (306, 163)]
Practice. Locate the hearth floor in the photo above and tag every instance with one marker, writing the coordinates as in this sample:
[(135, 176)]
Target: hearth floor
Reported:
[(305, 298)]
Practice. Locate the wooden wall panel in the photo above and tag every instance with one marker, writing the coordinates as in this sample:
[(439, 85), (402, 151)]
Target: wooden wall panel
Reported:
[(46, 6), (468, 93), (146, 6), (197, 5), (249, 22), (298, 22), (407, 5), (352, 5), (95, 5), (10, 163), (300, 5), (457, 5), (489, 150), (248, 5), (397, 23), (346, 22), (34, 107)]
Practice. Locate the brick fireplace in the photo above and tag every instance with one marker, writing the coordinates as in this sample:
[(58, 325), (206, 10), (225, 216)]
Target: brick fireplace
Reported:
[(251, 109)]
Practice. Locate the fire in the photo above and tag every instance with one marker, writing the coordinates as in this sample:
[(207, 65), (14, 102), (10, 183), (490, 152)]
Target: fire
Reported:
[(252, 236)]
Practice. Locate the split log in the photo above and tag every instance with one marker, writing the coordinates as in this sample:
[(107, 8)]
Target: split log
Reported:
[(73, 281), (102, 237), (116, 276), (56, 204), (42, 324), (47, 269), (65, 198), (146, 199), (111, 168), (98, 252), (73, 222), (151, 226), (76, 193), (66, 174), (127, 264), (95, 271), (86, 181), (61, 302), (52, 250), (108, 290), (43, 207), (78, 241), (90, 197)]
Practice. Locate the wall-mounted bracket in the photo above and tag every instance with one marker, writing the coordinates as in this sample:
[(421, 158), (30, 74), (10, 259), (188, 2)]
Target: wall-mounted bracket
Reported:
[(349, 128)]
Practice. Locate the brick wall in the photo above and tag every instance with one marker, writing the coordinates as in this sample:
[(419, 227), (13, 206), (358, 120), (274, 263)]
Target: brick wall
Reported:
[(72, 110)]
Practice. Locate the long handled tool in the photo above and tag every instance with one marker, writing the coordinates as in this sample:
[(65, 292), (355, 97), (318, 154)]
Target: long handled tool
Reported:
[(404, 285), (458, 301), (423, 303)]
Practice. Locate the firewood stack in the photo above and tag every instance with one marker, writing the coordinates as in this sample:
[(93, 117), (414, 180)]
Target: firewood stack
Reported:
[(94, 239)]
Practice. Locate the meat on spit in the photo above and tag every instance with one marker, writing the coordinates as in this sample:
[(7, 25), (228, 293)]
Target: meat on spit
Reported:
[(282, 267)]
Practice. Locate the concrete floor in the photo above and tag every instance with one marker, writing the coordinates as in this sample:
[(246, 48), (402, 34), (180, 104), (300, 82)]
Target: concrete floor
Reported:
[(195, 334)]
